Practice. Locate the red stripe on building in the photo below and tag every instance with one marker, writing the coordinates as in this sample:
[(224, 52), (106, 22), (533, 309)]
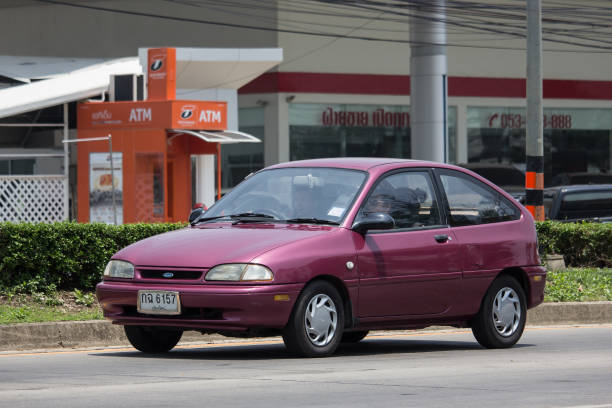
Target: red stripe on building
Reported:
[(303, 82), (371, 84)]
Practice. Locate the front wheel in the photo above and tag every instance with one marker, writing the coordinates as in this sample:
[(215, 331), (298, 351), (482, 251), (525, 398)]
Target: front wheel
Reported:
[(316, 323), (152, 339), (501, 319)]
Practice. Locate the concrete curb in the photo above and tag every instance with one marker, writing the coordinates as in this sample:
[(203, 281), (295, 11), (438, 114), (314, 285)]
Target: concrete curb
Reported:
[(54, 335)]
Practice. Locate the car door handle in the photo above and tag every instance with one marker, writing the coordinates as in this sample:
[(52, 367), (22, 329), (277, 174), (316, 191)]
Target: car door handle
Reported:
[(442, 238)]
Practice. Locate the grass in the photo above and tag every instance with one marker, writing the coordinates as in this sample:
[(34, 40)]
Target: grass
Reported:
[(578, 285), (48, 307), (570, 285)]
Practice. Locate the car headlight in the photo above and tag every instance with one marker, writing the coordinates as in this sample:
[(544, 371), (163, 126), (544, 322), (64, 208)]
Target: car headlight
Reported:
[(119, 269), (239, 272)]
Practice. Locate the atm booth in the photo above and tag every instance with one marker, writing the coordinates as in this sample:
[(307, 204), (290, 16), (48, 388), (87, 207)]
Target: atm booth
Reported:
[(152, 145), (148, 176)]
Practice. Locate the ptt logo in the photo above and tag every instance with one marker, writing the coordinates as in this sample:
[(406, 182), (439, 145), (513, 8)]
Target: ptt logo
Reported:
[(187, 111), (157, 64)]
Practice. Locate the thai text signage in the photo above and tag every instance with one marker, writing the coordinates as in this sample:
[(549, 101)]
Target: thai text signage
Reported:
[(378, 118), (310, 114)]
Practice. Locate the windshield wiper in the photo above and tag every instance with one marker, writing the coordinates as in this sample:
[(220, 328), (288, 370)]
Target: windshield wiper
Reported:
[(251, 217), (312, 221), (238, 217)]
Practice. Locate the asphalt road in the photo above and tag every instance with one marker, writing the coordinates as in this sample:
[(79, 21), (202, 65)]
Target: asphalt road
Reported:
[(550, 367)]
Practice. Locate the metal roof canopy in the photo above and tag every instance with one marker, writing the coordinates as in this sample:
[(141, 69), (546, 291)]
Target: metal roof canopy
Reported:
[(69, 87), (219, 68), (28, 68), (211, 136)]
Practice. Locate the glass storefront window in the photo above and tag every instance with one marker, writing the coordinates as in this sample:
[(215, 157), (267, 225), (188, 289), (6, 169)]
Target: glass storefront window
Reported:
[(575, 140), (451, 121), (343, 130), (241, 159), (17, 167)]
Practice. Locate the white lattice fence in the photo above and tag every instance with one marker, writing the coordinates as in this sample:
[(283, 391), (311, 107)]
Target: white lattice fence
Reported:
[(32, 198)]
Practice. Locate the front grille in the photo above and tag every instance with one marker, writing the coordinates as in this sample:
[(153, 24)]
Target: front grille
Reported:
[(202, 313), (159, 274)]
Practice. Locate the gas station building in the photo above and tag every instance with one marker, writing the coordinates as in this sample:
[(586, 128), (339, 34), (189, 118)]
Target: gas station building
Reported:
[(303, 96)]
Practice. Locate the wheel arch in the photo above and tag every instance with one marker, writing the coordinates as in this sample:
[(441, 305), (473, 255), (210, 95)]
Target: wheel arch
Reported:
[(521, 276), (337, 283)]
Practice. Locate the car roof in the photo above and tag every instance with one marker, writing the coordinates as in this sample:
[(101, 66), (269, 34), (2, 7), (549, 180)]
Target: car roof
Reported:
[(358, 163)]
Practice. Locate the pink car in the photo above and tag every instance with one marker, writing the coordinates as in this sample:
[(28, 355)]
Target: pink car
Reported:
[(322, 251)]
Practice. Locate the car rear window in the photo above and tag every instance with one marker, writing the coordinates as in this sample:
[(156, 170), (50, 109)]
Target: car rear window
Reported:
[(471, 202)]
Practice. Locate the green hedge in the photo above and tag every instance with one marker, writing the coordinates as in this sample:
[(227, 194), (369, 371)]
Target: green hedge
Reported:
[(581, 244), (43, 257)]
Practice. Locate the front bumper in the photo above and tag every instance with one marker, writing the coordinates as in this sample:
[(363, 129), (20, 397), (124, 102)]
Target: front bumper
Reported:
[(213, 307)]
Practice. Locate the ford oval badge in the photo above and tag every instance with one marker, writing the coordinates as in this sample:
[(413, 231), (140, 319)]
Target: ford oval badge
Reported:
[(168, 275)]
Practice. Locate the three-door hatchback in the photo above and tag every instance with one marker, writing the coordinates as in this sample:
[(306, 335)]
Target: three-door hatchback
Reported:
[(322, 251)]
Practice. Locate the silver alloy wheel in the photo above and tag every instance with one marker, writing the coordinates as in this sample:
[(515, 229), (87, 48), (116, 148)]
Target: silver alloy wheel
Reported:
[(506, 311), (320, 320)]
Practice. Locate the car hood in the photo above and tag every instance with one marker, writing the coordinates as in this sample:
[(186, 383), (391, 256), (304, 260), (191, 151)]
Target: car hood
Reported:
[(210, 245)]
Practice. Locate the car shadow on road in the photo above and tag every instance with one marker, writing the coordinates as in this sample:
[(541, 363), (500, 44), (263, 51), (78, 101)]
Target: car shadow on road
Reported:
[(276, 350)]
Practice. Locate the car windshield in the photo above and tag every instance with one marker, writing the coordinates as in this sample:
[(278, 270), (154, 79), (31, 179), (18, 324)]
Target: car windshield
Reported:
[(297, 194)]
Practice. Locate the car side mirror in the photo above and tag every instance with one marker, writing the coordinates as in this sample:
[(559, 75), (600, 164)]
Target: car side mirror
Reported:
[(373, 221), (195, 214)]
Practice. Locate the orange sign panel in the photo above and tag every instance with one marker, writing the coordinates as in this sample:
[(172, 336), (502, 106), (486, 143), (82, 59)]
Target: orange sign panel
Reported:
[(153, 114), (161, 74), (199, 115)]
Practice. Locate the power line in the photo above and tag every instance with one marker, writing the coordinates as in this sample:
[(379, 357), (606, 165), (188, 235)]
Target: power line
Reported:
[(505, 20)]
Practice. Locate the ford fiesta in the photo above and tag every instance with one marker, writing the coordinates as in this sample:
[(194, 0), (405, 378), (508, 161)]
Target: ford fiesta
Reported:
[(322, 251)]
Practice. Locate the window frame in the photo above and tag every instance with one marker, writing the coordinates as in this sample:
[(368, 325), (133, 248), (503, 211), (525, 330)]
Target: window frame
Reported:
[(435, 191), (439, 172)]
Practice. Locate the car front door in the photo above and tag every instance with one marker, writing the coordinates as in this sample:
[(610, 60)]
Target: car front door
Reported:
[(413, 269)]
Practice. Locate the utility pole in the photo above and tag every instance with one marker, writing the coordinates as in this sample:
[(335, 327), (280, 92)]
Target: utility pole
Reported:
[(428, 87), (534, 175)]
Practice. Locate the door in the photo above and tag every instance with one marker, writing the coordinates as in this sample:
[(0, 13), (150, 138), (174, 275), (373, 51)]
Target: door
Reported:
[(414, 268)]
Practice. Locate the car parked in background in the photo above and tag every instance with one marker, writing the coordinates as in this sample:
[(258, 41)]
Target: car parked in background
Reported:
[(506, 176), (570, 179), (322, 251), (591, 202)]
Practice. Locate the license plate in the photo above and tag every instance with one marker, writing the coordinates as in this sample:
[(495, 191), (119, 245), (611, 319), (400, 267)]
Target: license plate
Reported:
[(161, 302)]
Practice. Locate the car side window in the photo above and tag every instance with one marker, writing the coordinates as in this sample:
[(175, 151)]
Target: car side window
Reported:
[(471, 202), (408, 197)]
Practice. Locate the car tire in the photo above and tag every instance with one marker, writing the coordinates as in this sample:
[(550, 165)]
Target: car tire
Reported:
[(501, 319), (317, 321), (152, 339), (354, 336)]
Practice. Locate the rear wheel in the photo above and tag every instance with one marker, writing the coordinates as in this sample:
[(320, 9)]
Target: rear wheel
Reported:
[(354, 336), (152, 339), (501, 319), (316, 323)]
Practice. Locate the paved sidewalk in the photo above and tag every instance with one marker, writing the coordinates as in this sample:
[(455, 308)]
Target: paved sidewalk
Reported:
[(30, 336)]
